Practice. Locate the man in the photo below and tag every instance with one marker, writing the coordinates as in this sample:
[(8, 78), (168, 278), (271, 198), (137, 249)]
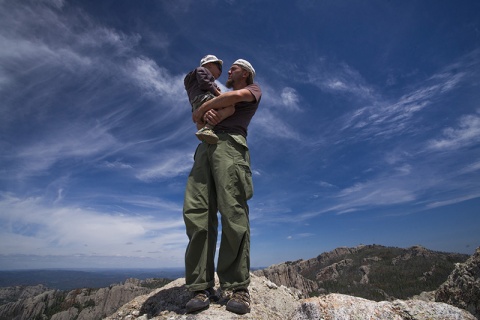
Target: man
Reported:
[(221, 180)]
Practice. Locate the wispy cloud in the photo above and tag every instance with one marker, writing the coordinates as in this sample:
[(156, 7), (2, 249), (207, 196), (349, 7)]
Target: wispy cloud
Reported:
[(300, 236), (340, 79), (273, 126), (57, 3), (157, 81), (80, 75), (167, 165), (385, 118), (471, 168), (454, 200), (274, 110), (290, 99), (64, 143), (466, 133), (377, 192), (29, 223)]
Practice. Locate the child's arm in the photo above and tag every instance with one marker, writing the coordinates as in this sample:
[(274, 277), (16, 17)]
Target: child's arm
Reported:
[(216, 90), (206, 82)]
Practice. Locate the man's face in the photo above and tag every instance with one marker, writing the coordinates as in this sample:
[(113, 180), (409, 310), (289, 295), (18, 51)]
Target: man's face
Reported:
[(234, 75)]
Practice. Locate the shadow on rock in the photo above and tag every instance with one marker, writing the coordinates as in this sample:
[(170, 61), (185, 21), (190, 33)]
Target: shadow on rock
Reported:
[(167, 300)]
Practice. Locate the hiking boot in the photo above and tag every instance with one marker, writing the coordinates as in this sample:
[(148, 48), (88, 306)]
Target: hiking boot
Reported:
[(207, 135), (201, 300), (239, 302)]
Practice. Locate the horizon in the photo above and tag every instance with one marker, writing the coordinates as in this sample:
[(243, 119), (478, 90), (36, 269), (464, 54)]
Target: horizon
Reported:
[(174, 269), (368, 130)]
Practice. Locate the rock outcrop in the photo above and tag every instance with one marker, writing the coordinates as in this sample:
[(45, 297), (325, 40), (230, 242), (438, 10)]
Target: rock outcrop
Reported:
[(273, 302), (12, 294), (288, 276), (29, 308), (268, 302), (462, 288), (79, 304)]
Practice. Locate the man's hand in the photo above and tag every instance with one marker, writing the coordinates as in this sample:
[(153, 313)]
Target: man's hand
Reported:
[(197, 115), (215, 116), (212, 116)]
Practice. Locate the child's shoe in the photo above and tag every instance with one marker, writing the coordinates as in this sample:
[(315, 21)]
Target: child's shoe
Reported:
[(207, 135)]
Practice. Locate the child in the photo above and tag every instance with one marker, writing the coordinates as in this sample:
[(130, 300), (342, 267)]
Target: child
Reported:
[(201, 87)]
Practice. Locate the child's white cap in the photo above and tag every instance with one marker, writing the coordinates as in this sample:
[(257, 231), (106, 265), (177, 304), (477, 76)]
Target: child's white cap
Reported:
[(210, 58)]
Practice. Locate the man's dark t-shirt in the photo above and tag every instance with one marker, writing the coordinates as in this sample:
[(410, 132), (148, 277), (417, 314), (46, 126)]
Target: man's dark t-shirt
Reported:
[(244, 111)]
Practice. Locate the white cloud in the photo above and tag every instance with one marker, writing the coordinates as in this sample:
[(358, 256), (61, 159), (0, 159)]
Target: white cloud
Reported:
[(448, 202), (385, 118), (57, 3), (465, 134), (167, 165), (325, 184), (280, 100), (404, 169), (471, 168), (339, 79), (61, 144), (117, 164), (290, 99), (300, 236), (274, 126), (375, 193), (157, 81), (273, 112), (31, 227)]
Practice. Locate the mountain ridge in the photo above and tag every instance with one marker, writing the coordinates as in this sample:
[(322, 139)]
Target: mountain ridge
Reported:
[(133, 300), (373, 272)]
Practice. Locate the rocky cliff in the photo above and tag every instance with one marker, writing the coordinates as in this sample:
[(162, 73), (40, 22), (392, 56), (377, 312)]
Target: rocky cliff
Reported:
[(462, 288), (41, 303), (12, 294)]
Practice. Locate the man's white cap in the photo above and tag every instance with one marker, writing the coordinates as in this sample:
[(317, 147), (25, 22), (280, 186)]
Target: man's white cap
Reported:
[(210, 58), (245, 65)]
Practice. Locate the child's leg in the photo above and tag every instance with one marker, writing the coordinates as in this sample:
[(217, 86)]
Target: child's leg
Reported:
[(206, 125), (206, 133)]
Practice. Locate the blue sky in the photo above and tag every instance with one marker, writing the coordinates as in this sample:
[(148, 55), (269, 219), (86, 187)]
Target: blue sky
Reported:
[(368, 130)]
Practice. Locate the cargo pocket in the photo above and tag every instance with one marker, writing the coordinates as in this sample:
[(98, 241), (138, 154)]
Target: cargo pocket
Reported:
[(245, 179)]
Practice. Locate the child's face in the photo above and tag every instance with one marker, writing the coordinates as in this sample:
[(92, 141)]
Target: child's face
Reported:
[(214, 69)]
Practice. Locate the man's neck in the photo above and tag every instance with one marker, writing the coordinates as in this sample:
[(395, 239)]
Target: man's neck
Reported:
[(240, 86)]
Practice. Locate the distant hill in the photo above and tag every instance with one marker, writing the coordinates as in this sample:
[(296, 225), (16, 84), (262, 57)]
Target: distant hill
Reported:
[(372, 272), (71, 279)]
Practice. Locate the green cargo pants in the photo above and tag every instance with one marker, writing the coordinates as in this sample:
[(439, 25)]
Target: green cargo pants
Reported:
[(220, 180)]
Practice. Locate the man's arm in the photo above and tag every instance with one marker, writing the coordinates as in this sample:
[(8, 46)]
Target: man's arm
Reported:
[(214, 117), (224, 100)]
